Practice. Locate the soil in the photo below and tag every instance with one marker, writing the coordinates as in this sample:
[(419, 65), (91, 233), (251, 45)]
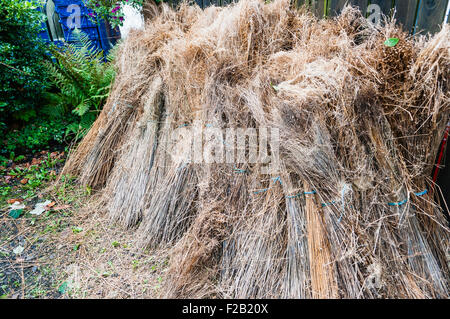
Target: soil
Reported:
[(71, 250)]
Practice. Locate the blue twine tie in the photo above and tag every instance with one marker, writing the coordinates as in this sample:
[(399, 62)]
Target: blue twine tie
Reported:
[(327, 204), (261, 191), (421, 193), (277, 179), (403, 202), (300, 194)]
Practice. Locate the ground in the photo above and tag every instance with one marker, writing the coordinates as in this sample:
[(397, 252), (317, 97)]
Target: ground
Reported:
[(69, 250)]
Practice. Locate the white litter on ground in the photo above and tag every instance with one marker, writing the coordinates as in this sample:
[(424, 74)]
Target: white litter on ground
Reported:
[(18, 250), (16, 205), (40, 208)]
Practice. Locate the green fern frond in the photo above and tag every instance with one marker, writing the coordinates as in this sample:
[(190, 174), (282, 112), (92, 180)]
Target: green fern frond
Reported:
[(84, 80)]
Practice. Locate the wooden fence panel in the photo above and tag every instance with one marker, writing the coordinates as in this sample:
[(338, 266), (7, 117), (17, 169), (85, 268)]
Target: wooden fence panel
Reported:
[(414, 15), (335, 6), (430, 15), (361, 4), (406, 13), (319, 7), (229, 1), (299, 3), (173, 3), (385, 5)]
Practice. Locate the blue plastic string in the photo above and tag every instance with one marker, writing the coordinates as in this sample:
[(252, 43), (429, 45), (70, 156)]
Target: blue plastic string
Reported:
[(327, 204), (403, 202), (300, 194), (261, 191), (277, 179), (421, 193)]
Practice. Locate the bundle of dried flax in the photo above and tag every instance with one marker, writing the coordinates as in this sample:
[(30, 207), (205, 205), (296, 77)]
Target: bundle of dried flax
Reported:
[(349, 214)]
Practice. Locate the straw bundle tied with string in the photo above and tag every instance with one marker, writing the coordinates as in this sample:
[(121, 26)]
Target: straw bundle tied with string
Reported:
[(351, 214)]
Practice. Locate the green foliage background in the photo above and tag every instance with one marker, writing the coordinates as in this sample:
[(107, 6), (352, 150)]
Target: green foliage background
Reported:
[(83, 80), (112, 10), (23, 76), (48, 94)]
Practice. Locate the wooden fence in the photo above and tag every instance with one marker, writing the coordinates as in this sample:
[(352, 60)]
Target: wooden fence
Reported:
[(414, 15)]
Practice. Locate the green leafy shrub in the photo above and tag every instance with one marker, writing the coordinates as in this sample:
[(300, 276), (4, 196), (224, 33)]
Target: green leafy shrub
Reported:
[(46, 92), (112, 10), (83, 80), (36, 136), (22, 73)]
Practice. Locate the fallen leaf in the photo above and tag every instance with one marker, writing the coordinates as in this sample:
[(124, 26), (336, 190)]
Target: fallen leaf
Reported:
[(77, 230), (13, 200), (391, 42), (50, 205), (24, 181), (54, 154), (18, 250), (7, 179), (35, 161), (115, 244)]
